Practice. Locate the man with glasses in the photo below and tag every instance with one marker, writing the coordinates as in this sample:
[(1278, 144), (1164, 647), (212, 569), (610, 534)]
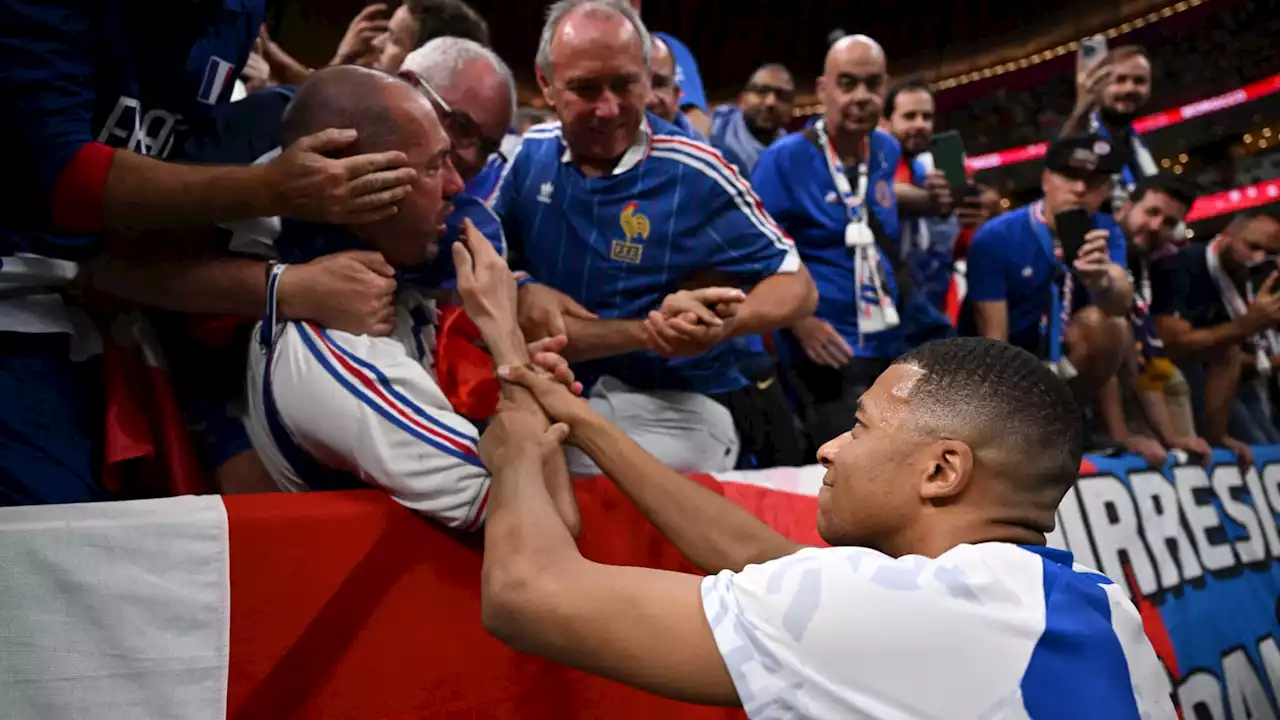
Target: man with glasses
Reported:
[(764, 108), (474, 94)]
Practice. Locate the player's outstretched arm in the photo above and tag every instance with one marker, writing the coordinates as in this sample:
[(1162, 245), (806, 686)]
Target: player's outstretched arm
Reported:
[(714, 533), (642, 627)]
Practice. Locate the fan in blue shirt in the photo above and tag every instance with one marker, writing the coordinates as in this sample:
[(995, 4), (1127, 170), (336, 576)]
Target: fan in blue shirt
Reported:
[(1020, 290), (759, 118), (831, 188), (618, 210)]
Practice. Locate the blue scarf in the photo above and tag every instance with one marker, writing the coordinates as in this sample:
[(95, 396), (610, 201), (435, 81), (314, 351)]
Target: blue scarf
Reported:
[(729, 133)]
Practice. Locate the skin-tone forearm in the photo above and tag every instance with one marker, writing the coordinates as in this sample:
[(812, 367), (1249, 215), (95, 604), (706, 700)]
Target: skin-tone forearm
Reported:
[(1221, 378), (216, 286), (144, 194), (1119, 298), (1078, 121), (714, 533), (285, 69), (1185, 342), (992, 319), (777, 302), (509, 348), (1112, 412), (1156, 410), (913, 200), (591, 339)]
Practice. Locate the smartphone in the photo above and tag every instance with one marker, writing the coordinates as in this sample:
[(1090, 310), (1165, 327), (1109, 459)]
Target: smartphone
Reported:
[(948, 156), (1092, 49), (1072, 226)]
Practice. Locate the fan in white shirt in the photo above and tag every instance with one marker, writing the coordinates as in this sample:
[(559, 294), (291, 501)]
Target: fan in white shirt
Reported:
[(938, 598)]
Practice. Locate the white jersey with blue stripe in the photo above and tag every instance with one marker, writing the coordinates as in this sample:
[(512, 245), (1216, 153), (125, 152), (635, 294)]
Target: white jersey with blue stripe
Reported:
[(983, 631), (369, 407)]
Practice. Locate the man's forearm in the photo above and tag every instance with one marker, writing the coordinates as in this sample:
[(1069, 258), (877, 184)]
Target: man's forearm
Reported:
[(714, 533), (1112, 411), (913, 200), (1076, 122), (222, 286), (591, 339), (143, 194), (1221, 378), (1156, 410), (1117, 297), (777, 302), (1188, 342)]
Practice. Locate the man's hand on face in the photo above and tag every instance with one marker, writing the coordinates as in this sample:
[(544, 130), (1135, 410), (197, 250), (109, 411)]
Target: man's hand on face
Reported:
[(692, 322), (305, 184)]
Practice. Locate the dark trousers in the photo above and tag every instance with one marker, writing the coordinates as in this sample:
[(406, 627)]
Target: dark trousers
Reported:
[(828, 397), (50, 422), (763, 417)]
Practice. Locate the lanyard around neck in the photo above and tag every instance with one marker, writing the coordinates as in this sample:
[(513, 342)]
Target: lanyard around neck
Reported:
[(854, 199)]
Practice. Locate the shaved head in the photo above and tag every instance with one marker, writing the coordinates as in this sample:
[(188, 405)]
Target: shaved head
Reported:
[(856, 47), (374, 104), (854, 80)]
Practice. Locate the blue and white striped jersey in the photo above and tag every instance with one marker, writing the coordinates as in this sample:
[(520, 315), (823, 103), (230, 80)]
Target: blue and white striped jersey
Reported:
[(672, 208), (983, 631)]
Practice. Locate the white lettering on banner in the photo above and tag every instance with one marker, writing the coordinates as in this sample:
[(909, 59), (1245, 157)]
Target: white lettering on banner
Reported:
[(1166, 537), (1200, 696), (1270, 654), (1245, 696), (1193, 484), (151, 133), (1170, 533), (1109, 509), (1214, 104), (1226, 482)]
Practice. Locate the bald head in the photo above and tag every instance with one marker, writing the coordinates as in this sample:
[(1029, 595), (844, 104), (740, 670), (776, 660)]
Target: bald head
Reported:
[(853, 84), (665, 98), (856, 48), (378, 106)]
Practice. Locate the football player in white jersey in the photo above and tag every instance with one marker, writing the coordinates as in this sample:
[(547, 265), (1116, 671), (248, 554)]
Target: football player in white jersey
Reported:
[(937, 599)]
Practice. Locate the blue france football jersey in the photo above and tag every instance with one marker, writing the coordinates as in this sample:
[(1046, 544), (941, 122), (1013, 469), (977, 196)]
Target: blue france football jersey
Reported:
[(796, 188), (1010, 260), (132, 75), (620, 244)]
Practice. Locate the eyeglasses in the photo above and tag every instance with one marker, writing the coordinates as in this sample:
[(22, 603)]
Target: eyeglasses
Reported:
[(785, 95), (462, 128)]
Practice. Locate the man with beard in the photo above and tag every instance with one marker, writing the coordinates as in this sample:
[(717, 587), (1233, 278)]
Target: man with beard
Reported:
[(764, 108), (831, 188), (1217, 306), (936, 502), (929, 230), (616, 209), (1109, 96), (330, 409), (1147, 406)]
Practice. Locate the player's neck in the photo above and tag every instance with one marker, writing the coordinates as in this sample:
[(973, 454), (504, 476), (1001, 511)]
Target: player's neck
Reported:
[(957, 525)]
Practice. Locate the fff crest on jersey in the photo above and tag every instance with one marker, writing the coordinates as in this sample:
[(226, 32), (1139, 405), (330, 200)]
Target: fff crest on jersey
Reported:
[(635, 230)]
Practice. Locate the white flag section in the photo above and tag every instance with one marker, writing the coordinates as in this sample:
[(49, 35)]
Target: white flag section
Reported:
[(115, 610)]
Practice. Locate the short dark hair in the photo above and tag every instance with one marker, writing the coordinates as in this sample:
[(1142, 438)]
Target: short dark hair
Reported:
[(999, 396), (776, 67), (448, 18), (1165, 183), (908, 85)]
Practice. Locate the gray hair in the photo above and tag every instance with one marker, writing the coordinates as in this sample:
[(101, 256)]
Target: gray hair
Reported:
[(557, 11), (440, 60)]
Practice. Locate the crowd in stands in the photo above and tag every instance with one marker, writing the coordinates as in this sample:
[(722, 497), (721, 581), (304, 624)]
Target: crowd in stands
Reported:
[(1233, 48), (384, 273)]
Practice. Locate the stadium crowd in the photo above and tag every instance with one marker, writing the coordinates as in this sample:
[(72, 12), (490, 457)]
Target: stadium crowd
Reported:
[(385, 273)]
